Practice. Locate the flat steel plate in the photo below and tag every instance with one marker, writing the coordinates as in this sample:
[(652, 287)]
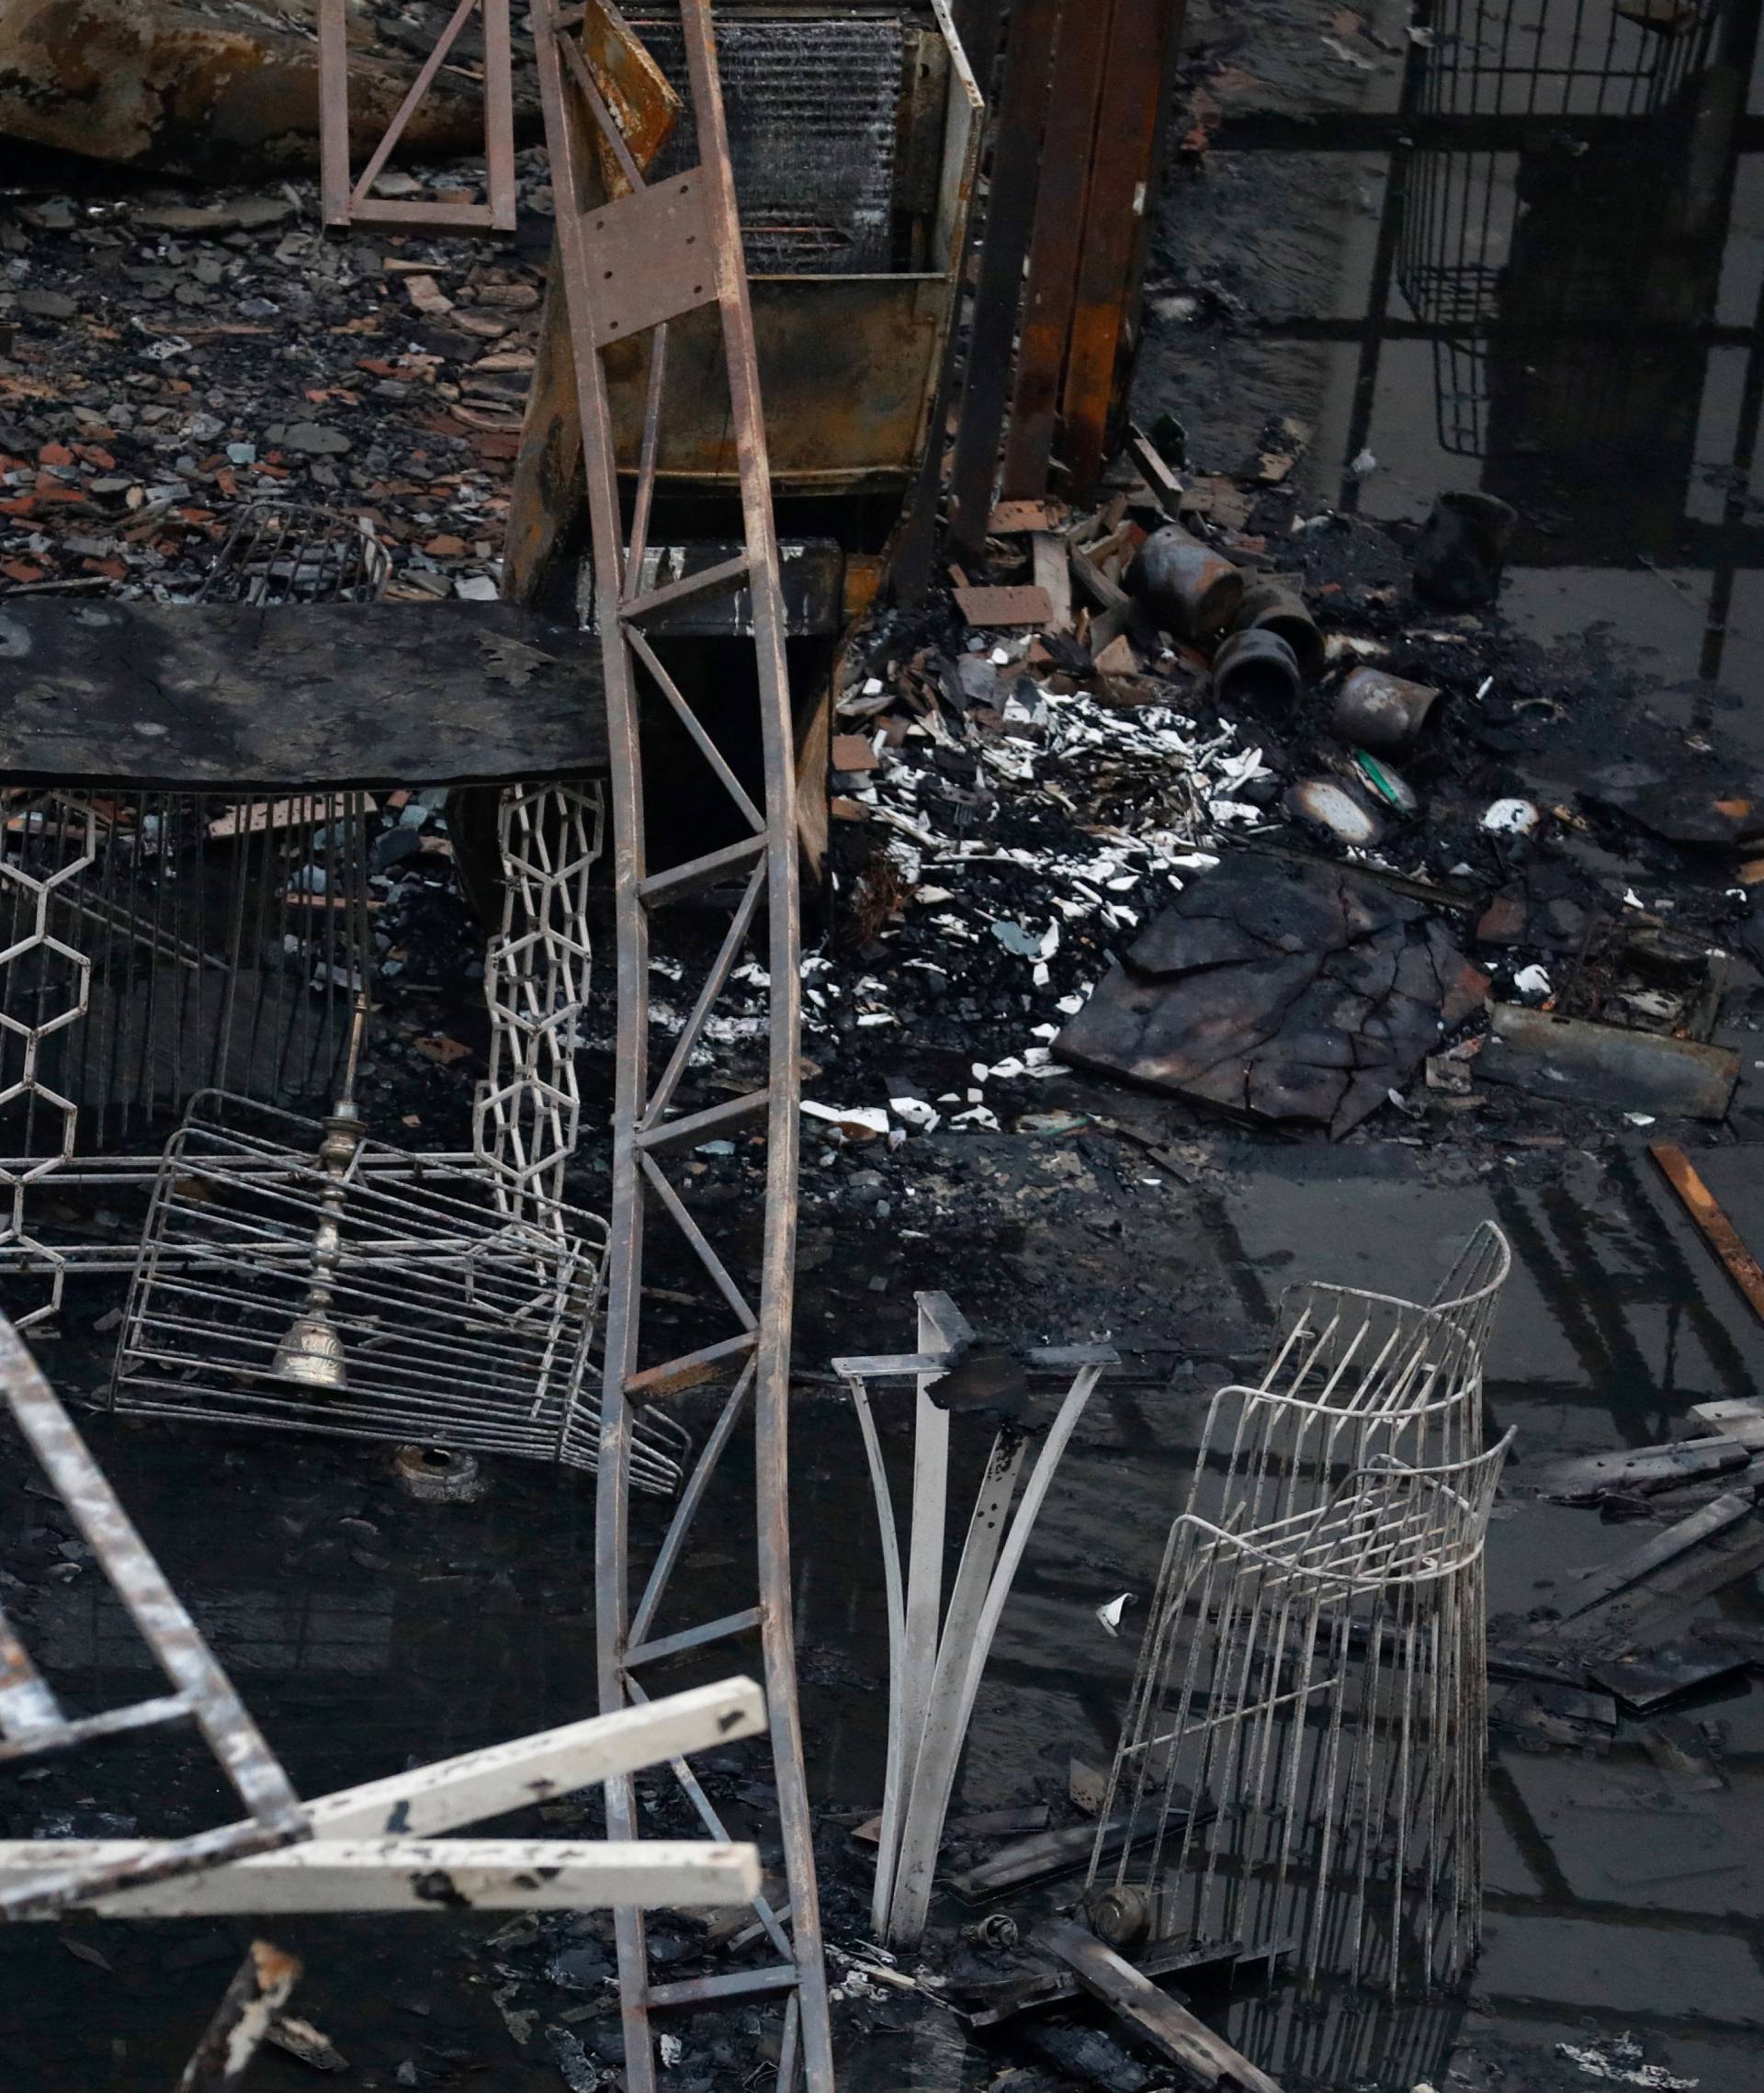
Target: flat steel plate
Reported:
[(650, 257)]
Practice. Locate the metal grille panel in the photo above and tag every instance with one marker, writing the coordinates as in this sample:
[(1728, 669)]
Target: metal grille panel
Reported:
[(813, 111)]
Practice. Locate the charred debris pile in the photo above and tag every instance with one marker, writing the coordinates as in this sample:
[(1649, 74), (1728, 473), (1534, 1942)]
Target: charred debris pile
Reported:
[(1259, 806)]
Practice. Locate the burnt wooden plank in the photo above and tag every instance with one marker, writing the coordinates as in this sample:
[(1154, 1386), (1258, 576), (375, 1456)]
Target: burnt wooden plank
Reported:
[(1203, 2058), (212, 696)]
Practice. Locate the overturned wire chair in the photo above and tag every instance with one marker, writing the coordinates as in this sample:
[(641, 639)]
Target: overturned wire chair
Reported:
[(1318, 1680), (1352, 1375)]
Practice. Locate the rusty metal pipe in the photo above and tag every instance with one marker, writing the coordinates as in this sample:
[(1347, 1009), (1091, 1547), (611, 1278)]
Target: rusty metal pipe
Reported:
[(1270, 607), (1376, 710), (1257, 668), (1191, 590)]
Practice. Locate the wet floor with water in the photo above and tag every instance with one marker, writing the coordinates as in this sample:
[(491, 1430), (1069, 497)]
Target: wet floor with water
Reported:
[(1515, 245), (368, 1632)]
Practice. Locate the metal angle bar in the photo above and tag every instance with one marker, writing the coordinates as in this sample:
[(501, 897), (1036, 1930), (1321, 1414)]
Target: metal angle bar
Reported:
[(647, 456), (714, 981), (725, 574), (86, 1729), (934, 1776), (894, 1594), (686, 1371), (707, 1257), (419, 87), (448, 1874), (692, 1127), (604, 121), (695, 1638), (979, 1553), (689, 719), (708, 1990), (704, 871), (925, 1529), (771, 1921), (334, 112), (687, 1509), (499, 117)]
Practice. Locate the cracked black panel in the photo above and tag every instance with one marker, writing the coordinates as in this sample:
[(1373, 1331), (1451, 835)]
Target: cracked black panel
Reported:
[(1279, 991), (813, 107)]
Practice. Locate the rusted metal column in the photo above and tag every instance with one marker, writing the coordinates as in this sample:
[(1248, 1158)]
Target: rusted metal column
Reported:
[(1079, 55), (1142, 42), (1010, 214)]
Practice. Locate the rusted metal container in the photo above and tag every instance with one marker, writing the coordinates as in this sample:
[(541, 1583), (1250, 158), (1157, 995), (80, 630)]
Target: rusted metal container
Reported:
[(854, 140)]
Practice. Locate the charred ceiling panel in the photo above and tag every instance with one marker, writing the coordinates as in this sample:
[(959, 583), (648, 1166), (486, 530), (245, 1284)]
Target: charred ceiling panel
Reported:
[(813, 109)]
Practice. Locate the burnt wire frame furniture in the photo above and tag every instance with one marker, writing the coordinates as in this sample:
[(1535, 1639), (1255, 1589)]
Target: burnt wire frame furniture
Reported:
[(1462, 224), (285, 552), (155, 943), (33, 1722), (1353, 1375), (462, 1292), (1358, 1384), (1318, 1678)]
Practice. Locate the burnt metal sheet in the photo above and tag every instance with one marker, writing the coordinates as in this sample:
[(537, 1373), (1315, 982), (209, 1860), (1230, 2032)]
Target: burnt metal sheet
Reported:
[(813, 104), (843, 368), (295, 694), (1279, 991), (1600, 1065)]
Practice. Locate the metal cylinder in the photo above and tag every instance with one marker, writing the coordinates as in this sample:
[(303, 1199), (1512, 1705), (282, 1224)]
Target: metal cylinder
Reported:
[(1272, 607), (1257, 668), (1462, 549), (1119, 1914), (1191, 590), (1376, 710)]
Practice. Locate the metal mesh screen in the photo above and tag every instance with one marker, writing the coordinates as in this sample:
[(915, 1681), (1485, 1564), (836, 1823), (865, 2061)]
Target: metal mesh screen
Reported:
[(813, 111)]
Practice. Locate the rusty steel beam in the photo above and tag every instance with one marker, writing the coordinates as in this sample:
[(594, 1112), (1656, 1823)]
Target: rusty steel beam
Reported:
[(1718, 1230), (31, 1721)]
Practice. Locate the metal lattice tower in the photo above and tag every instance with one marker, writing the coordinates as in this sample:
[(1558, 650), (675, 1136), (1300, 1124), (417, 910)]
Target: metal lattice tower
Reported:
[(631, 256)]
